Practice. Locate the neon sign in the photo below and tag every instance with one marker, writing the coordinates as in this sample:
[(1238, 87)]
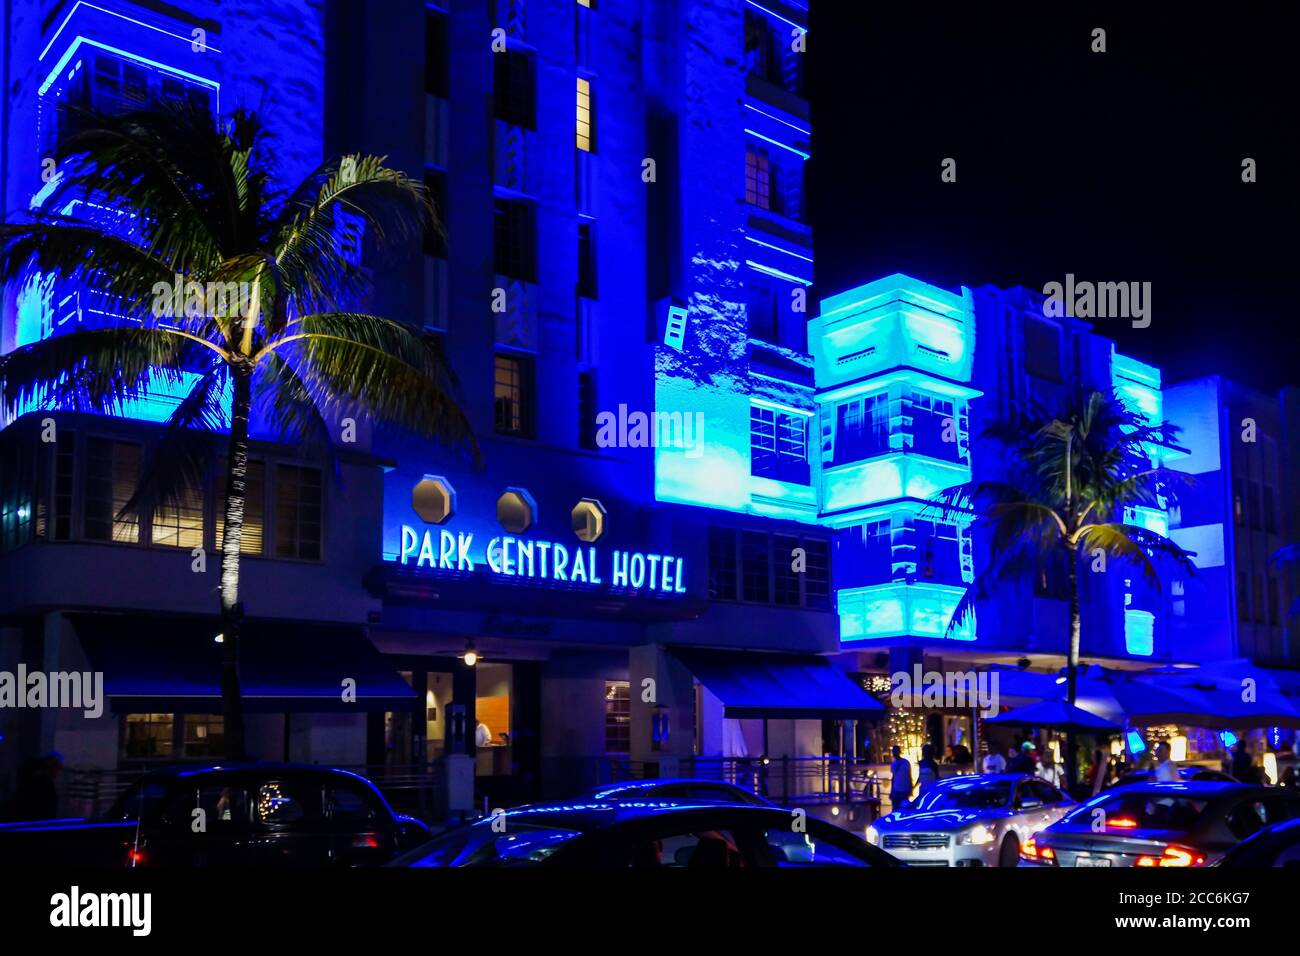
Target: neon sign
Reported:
[(512, 557)]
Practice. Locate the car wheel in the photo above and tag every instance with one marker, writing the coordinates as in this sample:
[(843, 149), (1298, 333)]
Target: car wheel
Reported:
[(1009, 855)]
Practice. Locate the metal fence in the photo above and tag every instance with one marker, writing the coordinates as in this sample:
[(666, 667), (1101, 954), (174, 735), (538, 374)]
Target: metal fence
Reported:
[(789, 781)]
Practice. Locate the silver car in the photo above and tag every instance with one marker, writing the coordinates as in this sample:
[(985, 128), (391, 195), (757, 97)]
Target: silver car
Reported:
[(978, 820)]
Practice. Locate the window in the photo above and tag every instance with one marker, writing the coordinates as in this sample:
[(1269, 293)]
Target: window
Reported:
[(618, 716), (586, 118), (778, 445), (722, 563), (298, 512), (435, 232), (512, 396), (586, 260), (587, 410), (1238, 502), (149, 735), (112, 471), (758, 178), (351, 807), (760, 568), (1270, 520), (279, 803), (862, 429), (64, 464), (224, 808), (760, 308), (513, 95), (1274, 602), (179, 524), (514, 246), (436, 57), (1042, 350), (203, 735), (769, 55), (1258, 605), (250, 536), (1243, 597), (1252, 505)]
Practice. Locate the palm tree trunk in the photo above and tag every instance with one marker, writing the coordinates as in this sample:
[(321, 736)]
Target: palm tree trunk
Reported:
[(232, 610), (1072, 664)]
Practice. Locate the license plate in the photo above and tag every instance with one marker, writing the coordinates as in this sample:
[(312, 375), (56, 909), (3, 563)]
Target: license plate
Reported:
[(1092, 861)]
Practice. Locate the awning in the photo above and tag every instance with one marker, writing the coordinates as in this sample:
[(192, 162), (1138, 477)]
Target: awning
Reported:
[(174, 665), (775, 686)]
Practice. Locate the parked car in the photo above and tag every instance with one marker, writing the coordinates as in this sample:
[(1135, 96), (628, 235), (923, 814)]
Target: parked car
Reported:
[(1279, 845), (971, 820), (1161, 824), (679, 788), (1184, 773), (647, 834), (256, 815)]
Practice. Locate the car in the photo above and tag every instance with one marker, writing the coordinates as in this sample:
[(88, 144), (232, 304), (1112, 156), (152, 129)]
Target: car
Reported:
[(1278, 845), (652, 833), (679, 788), (1161, 825), (1190, 772), (264, 814), (970, 820)]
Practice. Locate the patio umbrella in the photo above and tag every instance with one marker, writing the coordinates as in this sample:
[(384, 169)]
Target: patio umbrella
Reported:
[(1055, 715), (1125, 700), (1219, 705)]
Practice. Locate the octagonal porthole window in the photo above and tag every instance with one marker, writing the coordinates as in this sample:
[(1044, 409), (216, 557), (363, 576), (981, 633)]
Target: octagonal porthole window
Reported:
[(588, 519), (433, 499), (516, 510)]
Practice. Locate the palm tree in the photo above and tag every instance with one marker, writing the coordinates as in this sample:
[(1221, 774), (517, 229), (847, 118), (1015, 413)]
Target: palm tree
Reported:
[(1071, 477), (171, 194)]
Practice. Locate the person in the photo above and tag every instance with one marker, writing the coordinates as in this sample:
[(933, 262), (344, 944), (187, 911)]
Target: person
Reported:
[(900, 779), (961, 756), (1049, 769), (1098, 773), (927, 771), (482, 735), (1166, 769), (1023, 762), (36, 796), (1243, 765), (994, 762)]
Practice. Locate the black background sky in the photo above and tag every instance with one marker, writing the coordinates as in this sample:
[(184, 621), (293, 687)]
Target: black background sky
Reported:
[(1116, 166)]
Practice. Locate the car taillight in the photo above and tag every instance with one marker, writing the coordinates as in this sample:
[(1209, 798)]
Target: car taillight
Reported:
[(1030, 850), (1173, 856), (135, 856), (1123, 823), (366, 840)]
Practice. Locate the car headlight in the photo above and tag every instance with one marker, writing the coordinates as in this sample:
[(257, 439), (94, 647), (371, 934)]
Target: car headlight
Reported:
[(977, 835), (873, 836)]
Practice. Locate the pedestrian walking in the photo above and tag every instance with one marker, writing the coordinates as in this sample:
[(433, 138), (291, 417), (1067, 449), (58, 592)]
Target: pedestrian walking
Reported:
[(900, 779)]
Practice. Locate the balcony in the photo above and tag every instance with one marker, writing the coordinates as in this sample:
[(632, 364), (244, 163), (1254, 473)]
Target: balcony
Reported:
[(899, 610)]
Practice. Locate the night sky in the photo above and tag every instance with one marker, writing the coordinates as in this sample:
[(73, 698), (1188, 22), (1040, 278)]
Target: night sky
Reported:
[(1115, 166)]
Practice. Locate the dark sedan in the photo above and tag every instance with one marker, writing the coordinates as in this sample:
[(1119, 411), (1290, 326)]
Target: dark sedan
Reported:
[(1160, 825), (679, 788), (1277, 846), (251, 815), (652, 834), (1184, 775)]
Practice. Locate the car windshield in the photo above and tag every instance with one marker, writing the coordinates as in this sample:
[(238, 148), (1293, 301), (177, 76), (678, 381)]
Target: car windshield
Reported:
[(965, 796), (1147, 811), (480, 845)]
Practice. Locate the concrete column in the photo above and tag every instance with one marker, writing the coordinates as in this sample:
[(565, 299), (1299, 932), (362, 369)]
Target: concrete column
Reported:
[(670, 693)]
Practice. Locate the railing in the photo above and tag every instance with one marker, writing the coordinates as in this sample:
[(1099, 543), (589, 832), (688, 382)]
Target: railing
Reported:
[(789, 781), (414, 789)]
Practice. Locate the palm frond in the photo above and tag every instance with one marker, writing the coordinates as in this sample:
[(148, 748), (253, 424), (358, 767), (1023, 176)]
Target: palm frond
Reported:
[(96, 370), (174, 467), (1135, 545)]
